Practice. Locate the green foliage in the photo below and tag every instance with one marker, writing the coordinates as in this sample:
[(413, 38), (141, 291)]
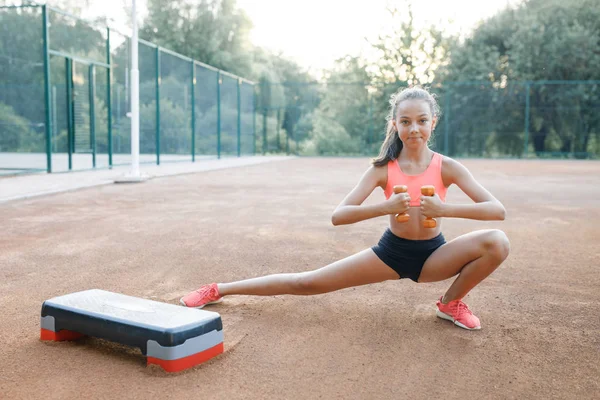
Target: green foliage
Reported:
[(21, 62), (540, 40), (407, 54), (76, 37), (215, 32), (270, 136), (16, 134), (479, 81), (329, 137), (352, 103), (348, 104), (175, 129), (343, 114)]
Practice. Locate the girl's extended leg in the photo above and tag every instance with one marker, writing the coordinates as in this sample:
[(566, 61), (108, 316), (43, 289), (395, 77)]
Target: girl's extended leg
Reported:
[(359, 269), (473, 257)]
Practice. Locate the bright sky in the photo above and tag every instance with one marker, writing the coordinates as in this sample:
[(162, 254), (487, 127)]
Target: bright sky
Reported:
[(316, 32)]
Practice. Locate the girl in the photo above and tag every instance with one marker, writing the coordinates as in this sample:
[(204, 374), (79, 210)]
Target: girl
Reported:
[(406, 249)]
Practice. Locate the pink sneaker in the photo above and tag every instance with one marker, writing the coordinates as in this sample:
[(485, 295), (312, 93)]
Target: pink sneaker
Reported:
[(207, 294), (458, 312)]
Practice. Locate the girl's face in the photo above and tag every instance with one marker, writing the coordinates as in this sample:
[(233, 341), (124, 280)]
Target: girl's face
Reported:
[(414, 123)]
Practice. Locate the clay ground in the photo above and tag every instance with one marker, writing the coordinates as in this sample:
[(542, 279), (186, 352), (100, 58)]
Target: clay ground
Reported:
[(160, 239)]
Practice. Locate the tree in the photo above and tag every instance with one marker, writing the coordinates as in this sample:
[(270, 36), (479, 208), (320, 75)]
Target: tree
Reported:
[(215, 32), (16, 132), (22, 65), (329, 137), (351, 104), (344, 110), (408, 54), (285, 93), (21, 62), (539, 40)]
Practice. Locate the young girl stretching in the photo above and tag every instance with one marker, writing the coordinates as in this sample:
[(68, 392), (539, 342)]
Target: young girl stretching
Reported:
[(406, 249)]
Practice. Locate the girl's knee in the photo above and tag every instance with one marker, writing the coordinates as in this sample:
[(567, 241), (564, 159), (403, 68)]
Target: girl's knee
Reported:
[(305, 283), (496, 243)]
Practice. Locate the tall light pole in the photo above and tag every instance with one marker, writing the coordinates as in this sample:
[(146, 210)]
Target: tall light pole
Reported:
[(134, 174), (135, 96)]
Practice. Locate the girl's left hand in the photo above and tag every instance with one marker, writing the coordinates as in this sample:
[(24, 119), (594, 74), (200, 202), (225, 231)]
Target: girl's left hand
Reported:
[(432, 206)]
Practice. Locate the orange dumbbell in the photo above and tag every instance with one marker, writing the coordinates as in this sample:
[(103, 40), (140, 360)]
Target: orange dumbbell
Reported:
[(401, 217), (428, 190)]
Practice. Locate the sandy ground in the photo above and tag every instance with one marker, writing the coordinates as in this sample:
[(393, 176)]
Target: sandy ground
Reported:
[(162, 238)]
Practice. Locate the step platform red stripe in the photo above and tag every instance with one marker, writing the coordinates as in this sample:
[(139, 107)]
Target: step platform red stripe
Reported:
[(168, 365), (59, 336), (187, 362)]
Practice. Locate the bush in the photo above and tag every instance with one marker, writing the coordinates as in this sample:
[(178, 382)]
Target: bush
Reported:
[(16, 133)]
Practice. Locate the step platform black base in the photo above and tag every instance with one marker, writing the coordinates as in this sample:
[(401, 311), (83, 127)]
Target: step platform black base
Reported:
[(172, 336)]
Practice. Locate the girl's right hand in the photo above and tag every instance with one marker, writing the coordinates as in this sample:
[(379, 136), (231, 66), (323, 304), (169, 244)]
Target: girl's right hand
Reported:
[(398, 203)]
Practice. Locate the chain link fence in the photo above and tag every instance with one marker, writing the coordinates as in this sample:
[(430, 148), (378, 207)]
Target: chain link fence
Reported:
[(64, 104), (65, 98), (532, 119)]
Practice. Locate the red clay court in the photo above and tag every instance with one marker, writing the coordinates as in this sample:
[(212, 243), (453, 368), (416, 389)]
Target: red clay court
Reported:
[(540, 334)]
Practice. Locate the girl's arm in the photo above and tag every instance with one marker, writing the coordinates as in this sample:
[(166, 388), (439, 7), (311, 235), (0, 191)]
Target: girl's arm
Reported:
[(485, 208), (351, 210)]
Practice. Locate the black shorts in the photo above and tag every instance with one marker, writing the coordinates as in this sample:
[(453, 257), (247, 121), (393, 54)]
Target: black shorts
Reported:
[(405, 256)]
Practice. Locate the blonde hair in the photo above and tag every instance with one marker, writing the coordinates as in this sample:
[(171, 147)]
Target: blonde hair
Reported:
[(392, 145)]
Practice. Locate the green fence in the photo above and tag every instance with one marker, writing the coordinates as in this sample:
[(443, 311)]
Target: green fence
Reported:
[(479, 119), (64, 98), (64, 103)]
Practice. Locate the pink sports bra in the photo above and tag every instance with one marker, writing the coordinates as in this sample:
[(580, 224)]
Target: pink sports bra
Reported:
[(431, 176)]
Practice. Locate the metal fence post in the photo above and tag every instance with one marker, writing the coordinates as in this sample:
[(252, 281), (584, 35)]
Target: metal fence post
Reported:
[(527, 95), (219, 114), (447, 123), (264, 145), (193, 111), (92, 96), (48, 119), (370, 138), (263, 94), (70, 116), (254, 120), (239, 117), (157, 60), (108, 98), (278, 129)]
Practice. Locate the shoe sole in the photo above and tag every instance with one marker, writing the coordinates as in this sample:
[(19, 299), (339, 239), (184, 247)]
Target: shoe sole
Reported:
[(449, 318), (202, 306)]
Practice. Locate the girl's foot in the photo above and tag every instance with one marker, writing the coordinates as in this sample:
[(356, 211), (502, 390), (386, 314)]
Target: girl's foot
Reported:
[(207, 294), (458, 312)]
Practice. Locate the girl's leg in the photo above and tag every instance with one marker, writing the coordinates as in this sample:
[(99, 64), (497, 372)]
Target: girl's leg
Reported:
[(473, 257), (359, 269)]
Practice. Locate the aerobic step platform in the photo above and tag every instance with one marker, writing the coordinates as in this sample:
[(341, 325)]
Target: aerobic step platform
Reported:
[(174, 337)]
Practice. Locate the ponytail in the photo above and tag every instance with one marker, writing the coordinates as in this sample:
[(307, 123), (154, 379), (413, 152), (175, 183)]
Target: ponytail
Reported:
[(391, 147)]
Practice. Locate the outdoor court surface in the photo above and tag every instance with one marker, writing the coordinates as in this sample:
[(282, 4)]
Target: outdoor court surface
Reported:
[(540, 310)]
